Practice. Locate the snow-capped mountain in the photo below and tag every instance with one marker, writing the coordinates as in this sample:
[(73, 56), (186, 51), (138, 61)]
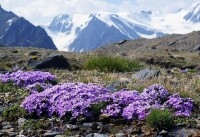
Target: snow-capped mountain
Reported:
[(194, 14), (17, 31), (80, 33)]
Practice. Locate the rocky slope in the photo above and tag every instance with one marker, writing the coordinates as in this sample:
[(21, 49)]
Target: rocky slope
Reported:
[(22, 124), (174, 42)]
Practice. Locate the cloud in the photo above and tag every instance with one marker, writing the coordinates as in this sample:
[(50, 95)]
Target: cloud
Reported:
[(41, 12)]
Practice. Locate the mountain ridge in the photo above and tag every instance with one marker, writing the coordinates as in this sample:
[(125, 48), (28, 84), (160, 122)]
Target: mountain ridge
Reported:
[(111, 27), (17, 31)]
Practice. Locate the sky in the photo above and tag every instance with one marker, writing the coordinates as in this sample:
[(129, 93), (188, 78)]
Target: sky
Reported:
[(41, 12)]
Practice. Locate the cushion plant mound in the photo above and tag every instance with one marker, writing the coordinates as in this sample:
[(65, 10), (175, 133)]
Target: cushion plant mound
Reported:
[(78, 99)]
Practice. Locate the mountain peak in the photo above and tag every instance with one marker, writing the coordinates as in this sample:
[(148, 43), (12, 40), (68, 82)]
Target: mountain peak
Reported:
[(194, 14), (1, 9), (18, 31), (84, 32)]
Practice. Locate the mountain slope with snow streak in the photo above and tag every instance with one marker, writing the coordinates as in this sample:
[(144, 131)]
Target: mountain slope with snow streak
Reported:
[(81, 32)]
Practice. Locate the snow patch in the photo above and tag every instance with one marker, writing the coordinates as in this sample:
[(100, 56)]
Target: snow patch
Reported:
[(9, 22)]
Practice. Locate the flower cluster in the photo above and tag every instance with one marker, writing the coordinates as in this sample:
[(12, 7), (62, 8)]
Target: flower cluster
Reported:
[(73, 98), (28, 79), (78, 98), (24, 79), (182, 106), (131, 104)]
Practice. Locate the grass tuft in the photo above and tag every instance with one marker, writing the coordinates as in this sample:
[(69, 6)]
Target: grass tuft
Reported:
[(111, 64), (161, 119), (13, 113)]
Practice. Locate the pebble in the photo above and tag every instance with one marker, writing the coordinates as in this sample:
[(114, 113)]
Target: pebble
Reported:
[(163, 133), (21, 121), (7, 126), (60, 136), (52, 134), (120, 135), (97, 135), (181, 124), (86, 125), (71, 127)]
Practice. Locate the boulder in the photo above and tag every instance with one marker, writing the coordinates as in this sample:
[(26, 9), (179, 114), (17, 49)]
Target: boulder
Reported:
[(54, 61), (33, 53), (122, 42), (197, 48), (146, 74)]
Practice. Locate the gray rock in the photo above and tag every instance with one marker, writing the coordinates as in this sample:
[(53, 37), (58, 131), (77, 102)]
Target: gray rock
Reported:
[(146, 74), (71, 127), (52, 134), (97, 135), (7, 126), (181, 124), (122, 42), (60, 136), (113, 87), (15, 51), (54, 61), (21, 121), (163, 133), (20, 136), (33, 53), (197, 48), (171, 43), (120, 135), (86, 125)]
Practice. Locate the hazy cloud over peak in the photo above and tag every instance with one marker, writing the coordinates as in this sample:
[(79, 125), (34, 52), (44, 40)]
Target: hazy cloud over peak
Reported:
[(41, 12)]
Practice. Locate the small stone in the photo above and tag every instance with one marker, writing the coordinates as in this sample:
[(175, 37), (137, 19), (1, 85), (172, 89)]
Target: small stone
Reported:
[(97, 135), (7, 126), (15, 51), (120, 135), (122, 42), (9, 130), (20, 136), (52, 134), (146, 74), (21, 121), (163, 133), (33, 53), (196, 48), (60, 136), (12, 134), (71, 127), (87, 125)]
